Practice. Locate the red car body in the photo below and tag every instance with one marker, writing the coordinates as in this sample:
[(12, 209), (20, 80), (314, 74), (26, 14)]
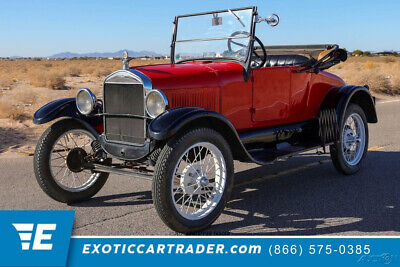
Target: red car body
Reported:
[(272, 96)]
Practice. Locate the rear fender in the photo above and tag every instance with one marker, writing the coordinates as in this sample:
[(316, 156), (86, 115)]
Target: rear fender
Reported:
[(178, 120), (66, 108), (340, 98)]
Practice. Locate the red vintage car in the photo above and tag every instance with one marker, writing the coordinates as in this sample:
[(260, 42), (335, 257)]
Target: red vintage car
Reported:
[(224, 97)]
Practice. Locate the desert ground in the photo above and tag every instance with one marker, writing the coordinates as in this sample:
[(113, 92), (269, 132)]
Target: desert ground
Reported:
[(26, 85)]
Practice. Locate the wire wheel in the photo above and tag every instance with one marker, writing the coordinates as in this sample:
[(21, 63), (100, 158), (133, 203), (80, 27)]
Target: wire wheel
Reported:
[(353, 139), (199, 180), (67, 160)]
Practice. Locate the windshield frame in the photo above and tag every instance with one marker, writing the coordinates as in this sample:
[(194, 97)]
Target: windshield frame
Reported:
[(245, 63)]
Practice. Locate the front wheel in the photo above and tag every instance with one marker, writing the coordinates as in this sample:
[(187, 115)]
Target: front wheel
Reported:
[(193, 180), (59, 163), (348, 154)]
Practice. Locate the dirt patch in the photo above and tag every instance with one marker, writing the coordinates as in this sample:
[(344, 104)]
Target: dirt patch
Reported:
[(381, 73), (27, 85), (18, 133), (16, 139)]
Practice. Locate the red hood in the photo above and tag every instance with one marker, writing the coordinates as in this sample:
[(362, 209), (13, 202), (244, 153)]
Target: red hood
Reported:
[(194, 74)]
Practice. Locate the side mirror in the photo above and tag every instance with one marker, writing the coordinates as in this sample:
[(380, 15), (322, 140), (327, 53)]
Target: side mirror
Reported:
[(272, 20)]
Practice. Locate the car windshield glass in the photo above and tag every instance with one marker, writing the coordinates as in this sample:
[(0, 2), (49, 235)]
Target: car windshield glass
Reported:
[(224, 35)]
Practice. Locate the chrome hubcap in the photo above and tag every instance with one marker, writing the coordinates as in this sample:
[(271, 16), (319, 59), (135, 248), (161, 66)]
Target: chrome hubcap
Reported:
[(203, 181), (198, 181), (353, 139), (66, 160)]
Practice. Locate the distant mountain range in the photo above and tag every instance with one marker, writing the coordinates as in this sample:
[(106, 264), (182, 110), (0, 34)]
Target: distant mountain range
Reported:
[(131, 53)]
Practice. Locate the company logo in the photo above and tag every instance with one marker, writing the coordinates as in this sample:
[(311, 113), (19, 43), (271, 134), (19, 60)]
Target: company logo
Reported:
[(35, 237), (25, 231)]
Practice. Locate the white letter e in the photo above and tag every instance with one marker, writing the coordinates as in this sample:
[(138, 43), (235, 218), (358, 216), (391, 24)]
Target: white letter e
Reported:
[(39, 236)]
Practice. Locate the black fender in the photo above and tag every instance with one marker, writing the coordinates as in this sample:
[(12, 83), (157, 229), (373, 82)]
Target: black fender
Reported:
[(340, 98), (177, 120), (66, 108)]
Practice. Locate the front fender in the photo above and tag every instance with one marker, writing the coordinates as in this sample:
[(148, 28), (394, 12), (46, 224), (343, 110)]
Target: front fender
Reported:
[(177, 120), (66, 108), (172, 121)]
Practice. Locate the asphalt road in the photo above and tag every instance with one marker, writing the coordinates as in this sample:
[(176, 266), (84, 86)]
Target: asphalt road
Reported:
[(301, 196)]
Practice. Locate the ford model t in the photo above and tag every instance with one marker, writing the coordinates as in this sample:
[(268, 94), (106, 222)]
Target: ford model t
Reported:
[(224, 97)]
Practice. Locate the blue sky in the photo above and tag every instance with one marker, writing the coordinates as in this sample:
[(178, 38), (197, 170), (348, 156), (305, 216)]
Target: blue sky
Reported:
[(43, 28)]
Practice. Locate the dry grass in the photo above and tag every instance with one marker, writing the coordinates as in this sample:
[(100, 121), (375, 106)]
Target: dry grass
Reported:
[(73, 71), (382, 74), (25, 84), (396, 82), (48, 79), (53, 73), (10, 111), (5, 82), (369, 65)]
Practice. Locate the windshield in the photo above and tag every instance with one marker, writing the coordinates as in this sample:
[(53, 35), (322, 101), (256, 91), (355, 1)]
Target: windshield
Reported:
[(214, 35)]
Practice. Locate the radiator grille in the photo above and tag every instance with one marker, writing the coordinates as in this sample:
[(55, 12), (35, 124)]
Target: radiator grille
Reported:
[(121, 100)]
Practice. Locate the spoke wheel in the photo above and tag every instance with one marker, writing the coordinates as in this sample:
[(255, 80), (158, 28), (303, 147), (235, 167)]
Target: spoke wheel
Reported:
[(348, 154), (198, 181), (353, 139), (60, 159), (193, 180), (67, 158)]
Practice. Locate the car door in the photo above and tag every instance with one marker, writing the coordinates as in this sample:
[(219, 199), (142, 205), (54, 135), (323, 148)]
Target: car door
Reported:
[(271, 95), (299, 95)]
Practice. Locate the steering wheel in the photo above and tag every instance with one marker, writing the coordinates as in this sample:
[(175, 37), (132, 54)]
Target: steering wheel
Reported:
[(260, 59)]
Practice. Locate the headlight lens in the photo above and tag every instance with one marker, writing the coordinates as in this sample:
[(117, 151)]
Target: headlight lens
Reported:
[(85, 101), (156, 103)]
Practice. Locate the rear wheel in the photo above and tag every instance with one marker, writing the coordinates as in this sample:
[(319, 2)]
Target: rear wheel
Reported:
[(348, 154), (193, 180), (59, 163)]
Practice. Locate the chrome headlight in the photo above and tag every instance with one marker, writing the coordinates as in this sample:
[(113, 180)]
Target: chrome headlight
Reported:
[(85, 101), (156, 103)]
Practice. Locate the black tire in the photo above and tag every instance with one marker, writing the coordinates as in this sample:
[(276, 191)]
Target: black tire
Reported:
[(164, 172), (336, 150), (42, 169)]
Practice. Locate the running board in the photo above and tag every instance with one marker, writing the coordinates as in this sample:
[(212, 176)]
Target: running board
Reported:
[(270, 155), (120, 171)]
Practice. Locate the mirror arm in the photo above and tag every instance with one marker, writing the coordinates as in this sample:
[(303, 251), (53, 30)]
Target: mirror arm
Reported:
[(272, 20)]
